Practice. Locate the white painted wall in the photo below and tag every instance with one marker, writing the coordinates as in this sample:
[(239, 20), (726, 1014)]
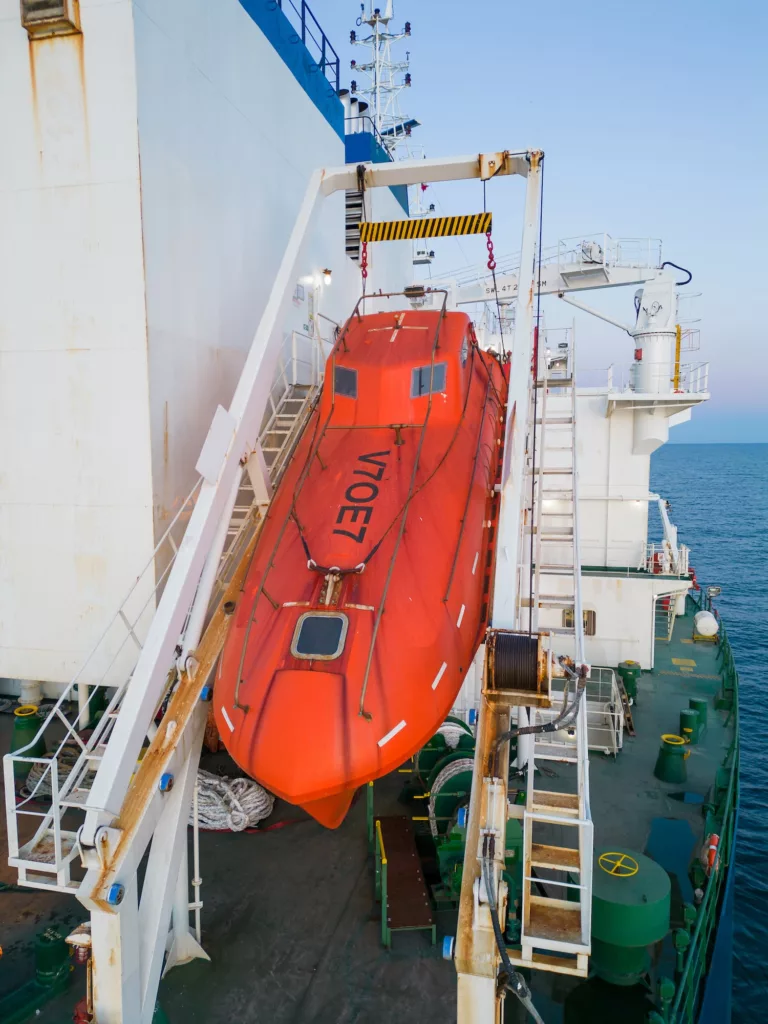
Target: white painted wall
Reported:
[(613, 485), (75, 488), (150, 174), (228, 140)]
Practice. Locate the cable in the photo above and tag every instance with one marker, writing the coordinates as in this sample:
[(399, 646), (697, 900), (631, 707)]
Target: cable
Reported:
[(567, 714), (668, 263), (492, 268), (232, 805), (535, 397), (515, 982)]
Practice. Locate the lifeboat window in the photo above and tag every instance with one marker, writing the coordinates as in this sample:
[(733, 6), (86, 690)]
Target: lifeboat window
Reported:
[(420, 379), (345, 381), (319, 635)]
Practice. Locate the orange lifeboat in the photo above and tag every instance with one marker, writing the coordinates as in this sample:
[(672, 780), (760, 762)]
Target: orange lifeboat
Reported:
[(368, 591)]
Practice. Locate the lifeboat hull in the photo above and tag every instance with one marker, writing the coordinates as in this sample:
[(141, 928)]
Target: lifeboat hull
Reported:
[(368, 591)]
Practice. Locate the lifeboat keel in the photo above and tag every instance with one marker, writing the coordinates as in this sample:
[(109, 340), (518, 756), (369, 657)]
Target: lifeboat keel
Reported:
[(330, 810)]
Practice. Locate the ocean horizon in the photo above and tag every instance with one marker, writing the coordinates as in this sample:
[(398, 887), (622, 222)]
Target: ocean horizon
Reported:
[(720, 506)]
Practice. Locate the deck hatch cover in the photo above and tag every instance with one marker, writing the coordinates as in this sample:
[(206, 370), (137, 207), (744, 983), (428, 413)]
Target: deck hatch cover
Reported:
[(320, 636), (345, 381), (420, 379)]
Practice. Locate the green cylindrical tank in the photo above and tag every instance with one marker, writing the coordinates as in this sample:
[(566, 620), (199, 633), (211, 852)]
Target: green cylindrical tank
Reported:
[(630, 912), (689, 725), (670, 764), (51, 957), (25, 728), (699, 705), (629, 673)]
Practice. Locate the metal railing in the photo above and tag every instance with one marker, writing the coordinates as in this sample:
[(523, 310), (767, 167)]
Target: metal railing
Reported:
[(685, 1004), (590, 250), (693, 378), (604, 716), (308, 29)]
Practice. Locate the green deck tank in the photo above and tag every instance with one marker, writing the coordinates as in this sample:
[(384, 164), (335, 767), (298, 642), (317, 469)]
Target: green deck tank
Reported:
[(630, 912), (629, 673)]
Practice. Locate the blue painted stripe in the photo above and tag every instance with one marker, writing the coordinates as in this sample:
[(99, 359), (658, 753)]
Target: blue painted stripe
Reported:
[(364, 147), (286, 41)]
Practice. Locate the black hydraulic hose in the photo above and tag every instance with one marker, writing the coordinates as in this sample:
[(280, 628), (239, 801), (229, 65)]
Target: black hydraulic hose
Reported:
[(668, 263), (568, 713), (515, 982)]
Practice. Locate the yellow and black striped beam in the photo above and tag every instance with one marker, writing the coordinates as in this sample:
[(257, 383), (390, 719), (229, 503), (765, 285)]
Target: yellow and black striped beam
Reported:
[(424, 227)]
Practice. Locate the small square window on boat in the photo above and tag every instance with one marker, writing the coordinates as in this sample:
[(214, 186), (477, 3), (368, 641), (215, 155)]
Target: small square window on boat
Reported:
[(319, 635), (345, 381), (589, 618), (420, 376)]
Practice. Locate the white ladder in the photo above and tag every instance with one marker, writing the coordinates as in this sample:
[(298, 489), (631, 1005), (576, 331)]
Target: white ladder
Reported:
[(557, 825)]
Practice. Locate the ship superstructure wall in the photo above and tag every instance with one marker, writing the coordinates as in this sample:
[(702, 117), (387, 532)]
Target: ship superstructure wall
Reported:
[(151, 170), (613, 485)]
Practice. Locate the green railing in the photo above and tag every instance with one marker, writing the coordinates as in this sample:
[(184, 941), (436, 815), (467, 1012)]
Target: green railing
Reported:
[(381, 886), (679, 1004)]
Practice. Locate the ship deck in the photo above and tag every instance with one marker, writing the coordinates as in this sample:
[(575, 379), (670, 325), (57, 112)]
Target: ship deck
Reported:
[(290, 920)]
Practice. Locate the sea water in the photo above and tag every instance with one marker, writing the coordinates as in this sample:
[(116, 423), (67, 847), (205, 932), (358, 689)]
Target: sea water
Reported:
[(719, 498)]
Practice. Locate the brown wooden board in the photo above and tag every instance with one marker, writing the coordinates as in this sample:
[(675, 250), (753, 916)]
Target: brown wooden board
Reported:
[(408, 903)]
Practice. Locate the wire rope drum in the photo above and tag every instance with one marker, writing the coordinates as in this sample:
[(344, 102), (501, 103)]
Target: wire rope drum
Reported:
[(516, 668)]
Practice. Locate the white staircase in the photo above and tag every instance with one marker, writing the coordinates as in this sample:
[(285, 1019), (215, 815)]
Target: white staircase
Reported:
[(43, 823), (557, 825)]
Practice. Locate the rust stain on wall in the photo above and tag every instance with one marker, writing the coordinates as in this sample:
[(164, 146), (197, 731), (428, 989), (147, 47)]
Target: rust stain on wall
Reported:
[(59, 95)]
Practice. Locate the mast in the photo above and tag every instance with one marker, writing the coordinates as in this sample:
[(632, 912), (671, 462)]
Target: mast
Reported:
[(385, 79)]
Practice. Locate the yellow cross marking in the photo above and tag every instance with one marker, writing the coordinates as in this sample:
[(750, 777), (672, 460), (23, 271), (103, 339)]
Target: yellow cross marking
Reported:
[(621, 865), (684, 661)]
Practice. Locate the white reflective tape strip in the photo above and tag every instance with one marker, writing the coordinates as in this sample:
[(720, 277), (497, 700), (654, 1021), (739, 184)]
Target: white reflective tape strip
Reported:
[(439, 675), (391, 733), (474, 564), (461, 616), (227, 718)]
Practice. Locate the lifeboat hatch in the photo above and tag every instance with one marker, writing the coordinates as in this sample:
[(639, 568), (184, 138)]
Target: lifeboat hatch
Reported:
[(319, 636), (518, 670)]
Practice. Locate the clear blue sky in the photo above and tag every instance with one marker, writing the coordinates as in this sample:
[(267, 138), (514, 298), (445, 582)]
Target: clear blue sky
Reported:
[(653, 119)]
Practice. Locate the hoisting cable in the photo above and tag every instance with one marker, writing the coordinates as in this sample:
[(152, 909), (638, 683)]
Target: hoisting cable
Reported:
[(535, 399), (566, 716), (684, 270), (492, 268), (514, 982)]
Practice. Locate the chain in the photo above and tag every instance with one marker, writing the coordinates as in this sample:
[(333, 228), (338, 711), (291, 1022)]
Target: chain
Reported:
[(364, 260), (489, 247)]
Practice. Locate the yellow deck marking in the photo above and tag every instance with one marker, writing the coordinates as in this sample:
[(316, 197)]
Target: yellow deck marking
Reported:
[(685, 668), (684, 661), (687, 641)]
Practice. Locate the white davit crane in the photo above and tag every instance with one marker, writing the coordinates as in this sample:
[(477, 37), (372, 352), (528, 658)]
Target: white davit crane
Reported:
[(125, 806)]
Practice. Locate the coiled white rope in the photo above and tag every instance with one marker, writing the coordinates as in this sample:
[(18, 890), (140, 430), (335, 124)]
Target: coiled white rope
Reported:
[(462, 764), (230, 804), (451, 733)]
